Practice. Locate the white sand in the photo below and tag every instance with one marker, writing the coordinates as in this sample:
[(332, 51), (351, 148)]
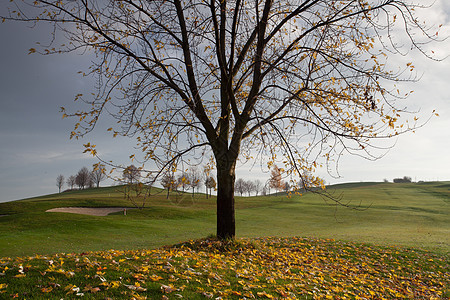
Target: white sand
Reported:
[(92, 211)]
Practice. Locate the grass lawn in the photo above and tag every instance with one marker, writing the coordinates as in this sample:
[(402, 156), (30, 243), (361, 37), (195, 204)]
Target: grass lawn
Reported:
[(410, 215), (270, 268), (370, 248)]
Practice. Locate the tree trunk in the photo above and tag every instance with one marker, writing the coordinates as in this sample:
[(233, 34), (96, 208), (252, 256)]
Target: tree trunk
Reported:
[(225, 202)]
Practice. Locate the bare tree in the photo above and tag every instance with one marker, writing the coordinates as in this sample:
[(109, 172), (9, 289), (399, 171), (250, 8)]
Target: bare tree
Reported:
[(286, 187), (249, 186), (183, 181), (98, 175), (205, 183), (60, 182), (83, 178), (264, 190), (131, 174), (169, 182), (208, 180), (295, 80), (240, 186), (194, 179), (258, 185), (210, 184), (71, 181), (252, 187)]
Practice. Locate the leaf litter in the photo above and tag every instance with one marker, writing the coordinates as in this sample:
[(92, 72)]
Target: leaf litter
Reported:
[(262, 268)]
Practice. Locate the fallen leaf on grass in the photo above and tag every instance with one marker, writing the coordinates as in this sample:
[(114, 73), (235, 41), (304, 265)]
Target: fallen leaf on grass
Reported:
[(73, 289), (135, 288), (138, 297), (91, 289), (155, 277), (264, 294), (168, 288), (207, 295), (47, 289)]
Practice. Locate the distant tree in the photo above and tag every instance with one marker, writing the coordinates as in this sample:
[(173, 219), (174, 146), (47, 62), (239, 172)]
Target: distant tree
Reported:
[(286, 187), (240, 186), (71, 181), (60, 182), (98, 175), (249, 186), (210, 183), (183, 181), (194, 179), (207, 179), (257, 184), (275, 179), (205, 183), (90, 183), (83, 178), (169, 182), (131, 174), (264, 191), (405, 179)]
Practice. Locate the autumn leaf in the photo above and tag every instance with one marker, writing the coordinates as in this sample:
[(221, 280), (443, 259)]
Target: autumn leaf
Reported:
[(167, 288), (140, 297), (155, 277), (207, 295), (135, 288), (264, 294), (47, 289), (91, 289)]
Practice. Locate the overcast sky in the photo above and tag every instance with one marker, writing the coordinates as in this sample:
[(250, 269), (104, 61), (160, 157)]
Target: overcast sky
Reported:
[(35, 145)]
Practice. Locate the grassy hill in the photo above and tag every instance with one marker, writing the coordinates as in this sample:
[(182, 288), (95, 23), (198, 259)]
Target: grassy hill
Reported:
[(368, 248), (411, 215)]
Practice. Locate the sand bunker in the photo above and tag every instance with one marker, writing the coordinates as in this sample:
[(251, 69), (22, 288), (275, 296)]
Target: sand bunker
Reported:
[(91, 211)]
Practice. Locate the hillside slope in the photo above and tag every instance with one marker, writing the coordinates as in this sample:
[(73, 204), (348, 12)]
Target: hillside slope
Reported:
[(411, 215)]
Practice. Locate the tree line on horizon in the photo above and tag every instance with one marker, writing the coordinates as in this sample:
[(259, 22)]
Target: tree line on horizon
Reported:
[(190, 178), (83, 179)]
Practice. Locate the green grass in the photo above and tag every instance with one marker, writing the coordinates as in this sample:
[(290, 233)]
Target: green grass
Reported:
[(410, 215), (392, 241), (270, 268)]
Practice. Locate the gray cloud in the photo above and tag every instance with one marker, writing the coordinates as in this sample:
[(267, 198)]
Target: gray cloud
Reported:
[(35, 145)]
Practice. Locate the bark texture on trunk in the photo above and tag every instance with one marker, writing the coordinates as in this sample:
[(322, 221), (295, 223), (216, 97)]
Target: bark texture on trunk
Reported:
[(226, 226)]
